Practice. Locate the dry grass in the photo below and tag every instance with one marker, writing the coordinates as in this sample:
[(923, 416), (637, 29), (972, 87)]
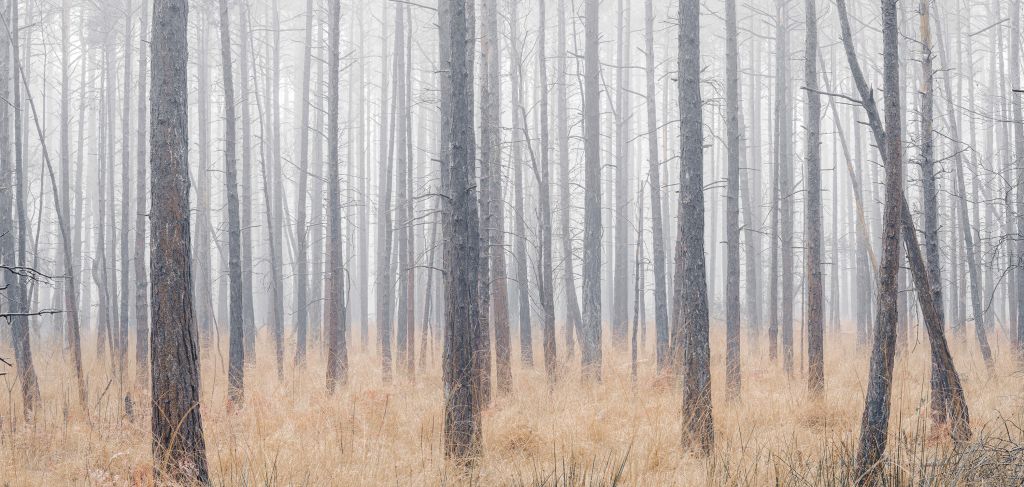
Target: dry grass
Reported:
[(292, 433)]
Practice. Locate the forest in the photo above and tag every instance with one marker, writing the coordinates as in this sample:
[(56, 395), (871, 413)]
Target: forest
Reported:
[(503, 242)]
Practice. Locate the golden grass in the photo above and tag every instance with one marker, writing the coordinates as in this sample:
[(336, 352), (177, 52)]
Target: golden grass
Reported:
[(370, 433)]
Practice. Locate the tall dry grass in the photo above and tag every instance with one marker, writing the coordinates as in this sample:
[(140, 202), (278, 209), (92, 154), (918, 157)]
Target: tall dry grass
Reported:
[(291, 433)]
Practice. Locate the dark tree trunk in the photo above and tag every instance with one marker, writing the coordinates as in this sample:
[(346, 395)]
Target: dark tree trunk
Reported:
[(690, 324), (875, 420), (463, 438), (179, 451)]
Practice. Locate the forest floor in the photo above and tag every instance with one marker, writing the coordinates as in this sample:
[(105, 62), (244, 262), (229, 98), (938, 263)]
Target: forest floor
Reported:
[(291, 433)]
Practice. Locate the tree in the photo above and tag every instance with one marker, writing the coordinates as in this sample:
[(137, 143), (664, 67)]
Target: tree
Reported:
[(179, 450), (141, 284), (654, 175), (236, 342), (875, 421), (463, 437), (301, 277), (337, 347), (732, 212), (591, 336), (690, 323), (812, 220)]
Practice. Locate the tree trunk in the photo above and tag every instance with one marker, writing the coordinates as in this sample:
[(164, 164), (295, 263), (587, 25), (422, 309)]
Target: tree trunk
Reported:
[(732, 212), (236, 341), (591, 353), (573, 318), (620, 245), (654, 175), (519, 243), (812, 218), (875, 421), (463, 438), (337, 348), (301, 282), (245, 202), (179, 451), (19, 324), (546, 289), (141, 285), (690, 323)]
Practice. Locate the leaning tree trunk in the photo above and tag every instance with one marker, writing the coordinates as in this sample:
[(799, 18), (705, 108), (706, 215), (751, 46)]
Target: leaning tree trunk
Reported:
[(690, 323), (179, 451), (950, 389)]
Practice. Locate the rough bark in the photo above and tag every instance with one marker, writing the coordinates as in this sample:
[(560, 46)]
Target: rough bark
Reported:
[(690, 323), (179, 451), (463, 437)]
